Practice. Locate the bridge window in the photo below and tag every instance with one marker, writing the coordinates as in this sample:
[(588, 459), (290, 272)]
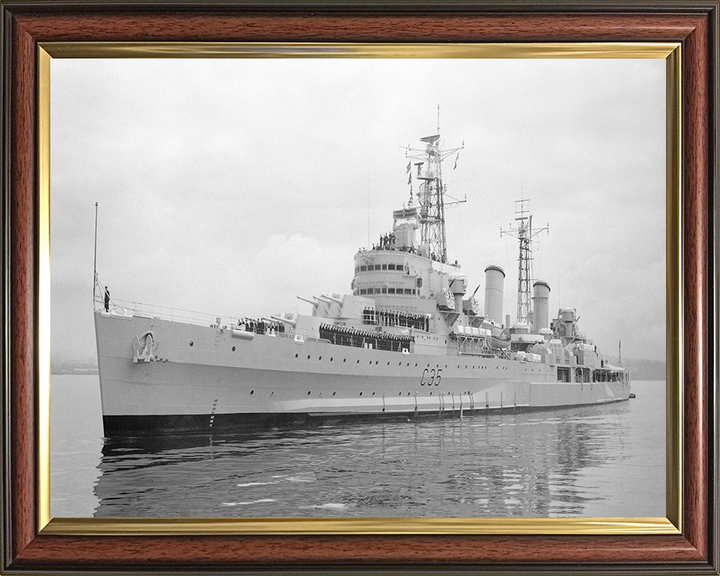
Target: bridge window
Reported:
[(391, 290), (391, 266), (384, 266), (363, 268)]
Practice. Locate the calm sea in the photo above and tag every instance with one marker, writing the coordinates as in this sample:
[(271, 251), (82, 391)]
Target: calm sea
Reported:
[(589, 461)]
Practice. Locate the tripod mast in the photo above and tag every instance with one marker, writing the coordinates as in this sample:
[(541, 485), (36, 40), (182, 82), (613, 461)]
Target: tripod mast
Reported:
[(431, 197)]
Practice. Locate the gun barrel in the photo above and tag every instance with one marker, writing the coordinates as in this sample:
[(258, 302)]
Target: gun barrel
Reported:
[(313, 302), (284, 320)]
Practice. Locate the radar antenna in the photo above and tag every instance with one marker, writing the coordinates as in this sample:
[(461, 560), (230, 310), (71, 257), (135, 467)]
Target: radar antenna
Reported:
[(431, 197), (524, 233)]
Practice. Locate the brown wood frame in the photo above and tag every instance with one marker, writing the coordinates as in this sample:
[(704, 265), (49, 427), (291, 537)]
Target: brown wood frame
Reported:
[(25, 23)]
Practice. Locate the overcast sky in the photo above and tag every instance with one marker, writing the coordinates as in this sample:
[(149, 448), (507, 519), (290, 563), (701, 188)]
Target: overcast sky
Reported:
[(230, 186)]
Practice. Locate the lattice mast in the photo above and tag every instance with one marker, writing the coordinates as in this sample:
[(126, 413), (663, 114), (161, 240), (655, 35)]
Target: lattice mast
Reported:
[(524, 233), (431, 198)]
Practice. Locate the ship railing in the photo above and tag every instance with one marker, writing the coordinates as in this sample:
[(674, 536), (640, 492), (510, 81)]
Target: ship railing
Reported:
[(124, 307), (172, 314)]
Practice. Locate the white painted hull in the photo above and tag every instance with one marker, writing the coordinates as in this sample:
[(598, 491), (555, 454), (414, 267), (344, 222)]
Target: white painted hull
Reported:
[(221, 382)]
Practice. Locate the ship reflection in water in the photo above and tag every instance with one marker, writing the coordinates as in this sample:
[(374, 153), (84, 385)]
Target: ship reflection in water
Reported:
[(565, 462)]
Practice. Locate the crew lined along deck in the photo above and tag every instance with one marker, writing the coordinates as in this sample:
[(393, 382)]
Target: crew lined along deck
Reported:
[(381, 317), (259, 326), (344, 336)]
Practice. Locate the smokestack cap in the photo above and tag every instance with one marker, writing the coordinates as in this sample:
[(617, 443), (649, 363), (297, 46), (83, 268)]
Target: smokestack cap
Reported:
[(542, 283), (493, 267)]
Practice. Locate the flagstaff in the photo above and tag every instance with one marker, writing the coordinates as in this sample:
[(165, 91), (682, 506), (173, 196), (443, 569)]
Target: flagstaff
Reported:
[(95, 276)]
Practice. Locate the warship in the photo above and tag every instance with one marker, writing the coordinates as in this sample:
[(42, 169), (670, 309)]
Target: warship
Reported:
[(408, 341)]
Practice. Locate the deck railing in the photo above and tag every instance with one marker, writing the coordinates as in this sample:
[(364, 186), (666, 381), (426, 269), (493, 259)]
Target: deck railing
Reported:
[(118, 306)]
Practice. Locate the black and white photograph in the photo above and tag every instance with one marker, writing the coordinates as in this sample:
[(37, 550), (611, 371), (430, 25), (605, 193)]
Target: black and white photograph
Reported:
[(363, 288)]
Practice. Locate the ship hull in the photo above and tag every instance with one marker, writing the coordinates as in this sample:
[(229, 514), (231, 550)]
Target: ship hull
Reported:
[(211, 379)]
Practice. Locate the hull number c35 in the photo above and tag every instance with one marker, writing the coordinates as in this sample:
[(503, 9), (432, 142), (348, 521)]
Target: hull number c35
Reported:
[(431, 377)]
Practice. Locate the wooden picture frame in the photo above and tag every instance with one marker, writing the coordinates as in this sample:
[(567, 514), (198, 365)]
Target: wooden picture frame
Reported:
[(27, 25)]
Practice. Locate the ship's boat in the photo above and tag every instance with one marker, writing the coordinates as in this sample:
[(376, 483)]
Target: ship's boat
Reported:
[(408, 342)]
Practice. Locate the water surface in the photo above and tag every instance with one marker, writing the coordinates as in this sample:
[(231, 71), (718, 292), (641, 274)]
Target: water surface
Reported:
[(606, 460)]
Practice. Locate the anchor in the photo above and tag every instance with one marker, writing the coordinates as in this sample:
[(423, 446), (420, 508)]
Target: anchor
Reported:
[(145, 347)]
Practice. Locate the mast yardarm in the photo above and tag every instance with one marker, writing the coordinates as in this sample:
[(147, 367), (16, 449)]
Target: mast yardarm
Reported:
[(524, 234), (431, 197)]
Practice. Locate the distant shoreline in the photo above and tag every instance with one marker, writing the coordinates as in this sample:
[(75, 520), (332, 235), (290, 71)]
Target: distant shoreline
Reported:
[(75, 371)]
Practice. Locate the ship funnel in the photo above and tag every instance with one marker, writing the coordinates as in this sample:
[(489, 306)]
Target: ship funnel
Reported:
[(494, 278), (541, 306)]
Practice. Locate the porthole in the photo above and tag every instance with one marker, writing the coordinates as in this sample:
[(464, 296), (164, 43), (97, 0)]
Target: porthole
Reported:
[(308, 392), (191, 342), (399, 393), (233, 348), (334, 393), (360, 393), (308, 356), (296, 355), (331, 359), (430, 393), (344, 360), (319, 357), (358, 361), (252, 392), (373, 393), (388, 363), (376, 362)]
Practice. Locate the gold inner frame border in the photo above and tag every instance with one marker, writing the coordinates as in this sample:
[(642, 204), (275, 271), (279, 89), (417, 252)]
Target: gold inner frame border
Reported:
[(671, 524)]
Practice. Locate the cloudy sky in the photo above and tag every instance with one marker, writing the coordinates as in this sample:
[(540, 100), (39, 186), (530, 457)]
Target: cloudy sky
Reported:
[(230, 186)]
